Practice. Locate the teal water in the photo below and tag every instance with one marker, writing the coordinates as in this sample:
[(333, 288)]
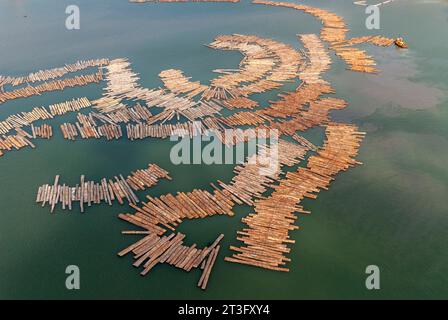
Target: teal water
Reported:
[(390, 212)]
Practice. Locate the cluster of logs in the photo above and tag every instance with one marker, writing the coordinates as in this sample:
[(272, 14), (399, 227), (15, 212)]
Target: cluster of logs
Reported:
[(169, 210), (90, 192), (319, 60), (17, 141), (74, 105), (44, 131), (177, 82), (266, 63), (142, 131), (266, 237), (54, 85), (87, 128), (137, 114), (152, 250), (317, 113), (252, 179), (41, 113), (44, 75), (334, 31), (240, 102), (69, 131), (24, 119)]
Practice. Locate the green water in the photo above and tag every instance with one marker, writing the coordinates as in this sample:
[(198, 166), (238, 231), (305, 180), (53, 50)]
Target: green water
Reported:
[(390, 212)]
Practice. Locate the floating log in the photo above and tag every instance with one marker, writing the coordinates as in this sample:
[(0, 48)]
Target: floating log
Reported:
[(208, 268)]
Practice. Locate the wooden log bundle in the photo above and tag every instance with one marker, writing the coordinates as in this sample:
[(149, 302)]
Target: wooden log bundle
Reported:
[(87, 128), (69, 131), (74, 105), (153, 249), (123, 83), (266, 64), (169, 210), (124, 114), (251, 181), (53, 85), (15, 142), (24, 119), (319, 60), (175, 81), (261, 170), (334, 31), (245, 118), (90, 192), (41, 113), (318, 113), (240, 102), (292, 102), (49, 74), (44, 131), (376, 40), (266, 237)]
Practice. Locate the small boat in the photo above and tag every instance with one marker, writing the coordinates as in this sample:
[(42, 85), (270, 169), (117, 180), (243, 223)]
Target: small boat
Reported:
[(399, 42)]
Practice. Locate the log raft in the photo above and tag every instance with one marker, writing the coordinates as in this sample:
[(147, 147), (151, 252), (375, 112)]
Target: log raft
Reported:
[(266, 238), (250, 182), (54, 85), (334, 31), (153, 249), (88, 192)]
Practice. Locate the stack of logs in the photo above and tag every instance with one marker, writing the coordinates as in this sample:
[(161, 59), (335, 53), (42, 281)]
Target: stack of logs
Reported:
[(91, 192), (59, 109), (54, 85), (41, 113), (266, 238), (319, 60), (251, 181), (177, 82), (44, 75), (17, 141), (45, 131), (266, 64), (334, 31), (152, 250)]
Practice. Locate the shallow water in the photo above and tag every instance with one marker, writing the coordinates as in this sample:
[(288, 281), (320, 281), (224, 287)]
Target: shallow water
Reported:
[(390, 212)]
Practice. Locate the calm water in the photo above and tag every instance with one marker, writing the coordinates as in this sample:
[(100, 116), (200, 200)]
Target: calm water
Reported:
[(391, 212)]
